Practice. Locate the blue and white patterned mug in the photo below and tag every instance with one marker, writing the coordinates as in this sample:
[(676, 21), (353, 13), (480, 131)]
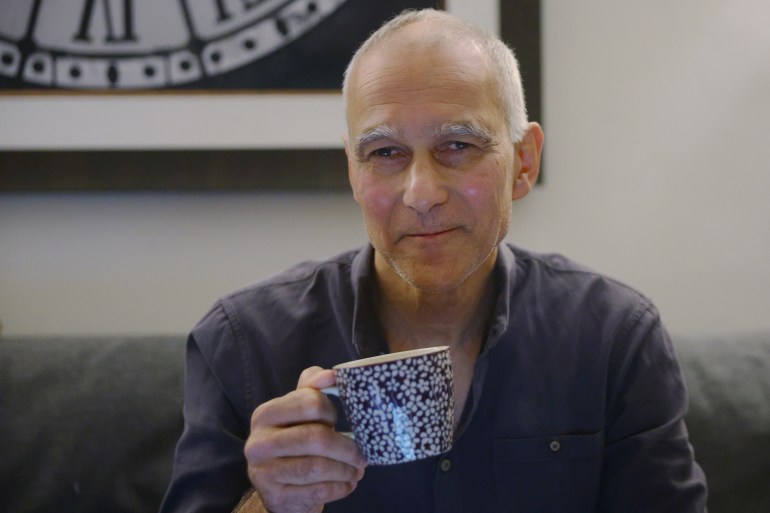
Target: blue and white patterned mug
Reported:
[(399, 405)]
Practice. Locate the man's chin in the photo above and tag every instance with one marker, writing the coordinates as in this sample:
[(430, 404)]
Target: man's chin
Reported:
[(429, 274)]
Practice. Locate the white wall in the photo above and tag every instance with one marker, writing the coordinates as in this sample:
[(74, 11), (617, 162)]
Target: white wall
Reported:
[(657, 116)]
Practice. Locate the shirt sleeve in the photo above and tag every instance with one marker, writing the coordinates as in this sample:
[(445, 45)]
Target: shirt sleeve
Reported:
[(649, 463), (210, 467)]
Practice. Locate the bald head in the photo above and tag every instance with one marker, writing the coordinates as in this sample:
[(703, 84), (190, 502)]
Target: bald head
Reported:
[(430, 29)]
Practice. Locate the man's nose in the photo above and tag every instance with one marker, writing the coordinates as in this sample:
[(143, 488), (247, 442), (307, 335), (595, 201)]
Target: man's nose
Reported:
[(425, 186)]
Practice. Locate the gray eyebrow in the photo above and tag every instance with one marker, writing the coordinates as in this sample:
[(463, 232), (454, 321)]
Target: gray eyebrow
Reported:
[(374, 134), (385, 131), (471, 129)]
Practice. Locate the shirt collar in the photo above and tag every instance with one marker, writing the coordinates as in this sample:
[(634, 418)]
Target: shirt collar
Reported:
[(367, 333), (505, 277)]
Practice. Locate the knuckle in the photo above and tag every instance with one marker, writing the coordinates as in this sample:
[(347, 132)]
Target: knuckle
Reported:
[(306, 374), (318, 437), (314, 405), (259, 413), (258, 447), (252, 450)]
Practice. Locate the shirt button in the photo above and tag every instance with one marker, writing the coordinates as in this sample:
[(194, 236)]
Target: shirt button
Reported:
[(555, 446), (445, 465)]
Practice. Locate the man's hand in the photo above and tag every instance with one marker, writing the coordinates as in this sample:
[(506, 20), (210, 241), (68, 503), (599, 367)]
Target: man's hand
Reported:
[(297, 462)]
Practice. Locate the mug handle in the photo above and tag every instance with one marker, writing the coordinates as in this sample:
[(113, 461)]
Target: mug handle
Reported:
[(336, 392), (331, 391)]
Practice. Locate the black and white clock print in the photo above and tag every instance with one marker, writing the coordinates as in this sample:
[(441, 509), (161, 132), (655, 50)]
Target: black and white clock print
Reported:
[(136, 45)]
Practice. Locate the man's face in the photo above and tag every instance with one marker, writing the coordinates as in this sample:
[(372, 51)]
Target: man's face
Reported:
[(431, 162)]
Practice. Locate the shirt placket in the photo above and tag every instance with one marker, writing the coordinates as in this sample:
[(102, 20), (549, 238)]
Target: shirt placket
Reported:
[(446, 490)]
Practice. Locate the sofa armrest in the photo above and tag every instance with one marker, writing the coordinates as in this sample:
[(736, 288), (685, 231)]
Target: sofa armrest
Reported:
[(88, 424), (728, 380)]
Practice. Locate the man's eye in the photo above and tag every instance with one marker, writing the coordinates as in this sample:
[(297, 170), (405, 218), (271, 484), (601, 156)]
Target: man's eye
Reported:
[(458, 145), (385, 152)]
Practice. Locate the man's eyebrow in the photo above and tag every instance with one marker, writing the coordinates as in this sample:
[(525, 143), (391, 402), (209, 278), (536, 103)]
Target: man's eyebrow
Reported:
[(373, 134), (461, 129), (469, 129)]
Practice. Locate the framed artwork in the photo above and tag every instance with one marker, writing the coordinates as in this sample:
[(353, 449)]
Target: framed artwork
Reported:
[(138, 50)]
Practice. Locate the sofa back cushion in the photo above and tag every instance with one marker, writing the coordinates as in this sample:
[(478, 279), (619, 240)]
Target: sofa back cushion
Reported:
[(90, 424)]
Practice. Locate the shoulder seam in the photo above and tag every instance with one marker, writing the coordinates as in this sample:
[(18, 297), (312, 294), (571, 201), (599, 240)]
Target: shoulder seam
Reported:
[(583, 271), (277, 280)]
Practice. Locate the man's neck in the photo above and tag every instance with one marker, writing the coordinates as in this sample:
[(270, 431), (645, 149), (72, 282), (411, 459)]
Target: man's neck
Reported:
[(412, 318)]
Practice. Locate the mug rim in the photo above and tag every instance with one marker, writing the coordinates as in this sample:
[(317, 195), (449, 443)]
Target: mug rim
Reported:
[(390, 357)]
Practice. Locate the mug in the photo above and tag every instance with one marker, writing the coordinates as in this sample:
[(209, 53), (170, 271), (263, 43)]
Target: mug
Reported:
[(399, 405)]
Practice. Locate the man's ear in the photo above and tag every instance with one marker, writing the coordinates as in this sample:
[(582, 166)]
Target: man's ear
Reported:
[(528, 153)]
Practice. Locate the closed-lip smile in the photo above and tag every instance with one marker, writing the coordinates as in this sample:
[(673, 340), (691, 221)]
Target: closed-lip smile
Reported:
[(430, 233)]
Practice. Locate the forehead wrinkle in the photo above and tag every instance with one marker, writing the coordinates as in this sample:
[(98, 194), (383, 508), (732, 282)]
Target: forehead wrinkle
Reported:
[(378, 81), (450, 90)]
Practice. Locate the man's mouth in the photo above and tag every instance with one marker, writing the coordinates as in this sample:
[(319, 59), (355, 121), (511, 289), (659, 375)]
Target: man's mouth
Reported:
[(430, 234)]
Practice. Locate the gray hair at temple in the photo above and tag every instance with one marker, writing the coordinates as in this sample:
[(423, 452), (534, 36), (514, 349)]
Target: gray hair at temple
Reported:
[(501, 59)]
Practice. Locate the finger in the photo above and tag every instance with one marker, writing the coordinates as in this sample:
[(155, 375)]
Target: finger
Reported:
[(304, 497), (319, 440), (300, 406), (316, 377), (303, 440), (322, 493), (313, 469)]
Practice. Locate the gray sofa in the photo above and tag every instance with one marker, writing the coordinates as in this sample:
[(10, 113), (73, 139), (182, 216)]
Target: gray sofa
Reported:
[(90, 424)]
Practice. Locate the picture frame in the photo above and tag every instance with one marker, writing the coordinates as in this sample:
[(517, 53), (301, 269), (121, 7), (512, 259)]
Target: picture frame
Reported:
[(232, 139)]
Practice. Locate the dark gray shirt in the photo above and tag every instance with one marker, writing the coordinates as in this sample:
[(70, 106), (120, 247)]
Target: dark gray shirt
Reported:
[(576, 403)]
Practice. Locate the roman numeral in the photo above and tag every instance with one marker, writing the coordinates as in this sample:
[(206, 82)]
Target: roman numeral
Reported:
[(112, 20), (223, 14)]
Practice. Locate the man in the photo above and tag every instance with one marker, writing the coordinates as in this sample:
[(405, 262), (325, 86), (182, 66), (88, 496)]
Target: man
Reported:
[(568, 394)]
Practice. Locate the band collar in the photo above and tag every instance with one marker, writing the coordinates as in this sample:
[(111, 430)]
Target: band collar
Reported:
[(367, 333), (505, 277)]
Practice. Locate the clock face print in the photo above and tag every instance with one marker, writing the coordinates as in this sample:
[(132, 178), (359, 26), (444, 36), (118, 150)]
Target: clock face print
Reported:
[(157, 44)]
